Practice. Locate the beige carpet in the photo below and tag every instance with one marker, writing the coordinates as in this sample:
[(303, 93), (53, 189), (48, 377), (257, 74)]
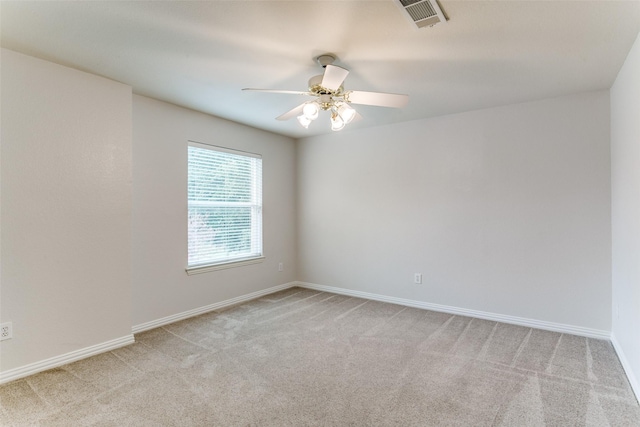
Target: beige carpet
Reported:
[(302, 357)]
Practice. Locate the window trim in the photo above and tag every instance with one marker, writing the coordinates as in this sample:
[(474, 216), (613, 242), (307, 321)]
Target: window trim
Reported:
[(239, 262), (205, 268)]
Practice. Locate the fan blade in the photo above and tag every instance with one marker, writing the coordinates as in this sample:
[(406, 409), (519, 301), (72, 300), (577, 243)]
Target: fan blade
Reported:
[(291, 113), (333, 77), (378, 99), (292, 92)]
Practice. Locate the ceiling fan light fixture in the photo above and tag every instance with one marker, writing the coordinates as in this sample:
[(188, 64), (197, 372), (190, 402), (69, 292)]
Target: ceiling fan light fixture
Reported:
[(304, 121), (311, 110), (337, 123), (346, 112)]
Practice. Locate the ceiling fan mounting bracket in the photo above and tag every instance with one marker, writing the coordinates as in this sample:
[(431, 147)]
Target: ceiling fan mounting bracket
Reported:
[(325, 59)]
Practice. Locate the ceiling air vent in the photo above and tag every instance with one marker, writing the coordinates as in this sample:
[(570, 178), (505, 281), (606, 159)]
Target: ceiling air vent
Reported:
[(423, 13)]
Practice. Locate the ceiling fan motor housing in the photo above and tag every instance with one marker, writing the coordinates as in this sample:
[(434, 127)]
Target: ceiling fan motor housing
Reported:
[(315, 81), (315, 87)]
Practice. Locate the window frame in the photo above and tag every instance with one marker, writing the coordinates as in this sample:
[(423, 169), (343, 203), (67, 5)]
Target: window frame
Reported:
[(256, 214)]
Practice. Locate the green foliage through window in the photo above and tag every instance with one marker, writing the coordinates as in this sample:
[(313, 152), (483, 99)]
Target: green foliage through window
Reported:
[(224, 204)]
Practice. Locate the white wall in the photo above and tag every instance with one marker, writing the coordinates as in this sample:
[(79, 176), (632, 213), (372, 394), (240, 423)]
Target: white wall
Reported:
[(66, 210), (503, 210), (625, 213), (161, 286)]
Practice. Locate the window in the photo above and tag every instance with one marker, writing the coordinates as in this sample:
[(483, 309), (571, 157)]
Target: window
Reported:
[(225, 208)]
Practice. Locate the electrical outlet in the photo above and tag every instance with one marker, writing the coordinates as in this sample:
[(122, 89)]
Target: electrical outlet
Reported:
[(417, 278), (280, 266), (6, 331)]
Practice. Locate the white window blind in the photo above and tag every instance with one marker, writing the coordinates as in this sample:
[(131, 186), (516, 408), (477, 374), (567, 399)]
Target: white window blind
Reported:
[(224, 204)]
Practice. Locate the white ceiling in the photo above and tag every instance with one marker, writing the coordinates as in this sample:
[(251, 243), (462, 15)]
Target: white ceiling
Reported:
[(201, 54)]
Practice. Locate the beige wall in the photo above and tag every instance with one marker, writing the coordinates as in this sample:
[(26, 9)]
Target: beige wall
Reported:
[(625, 212), (161, 286), (503, 210), (66, 210)]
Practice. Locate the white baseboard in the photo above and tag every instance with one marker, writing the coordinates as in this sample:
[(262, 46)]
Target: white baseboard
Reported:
[(522, 321), (73, 356), (207, 308), (54, 362), (633, 380)]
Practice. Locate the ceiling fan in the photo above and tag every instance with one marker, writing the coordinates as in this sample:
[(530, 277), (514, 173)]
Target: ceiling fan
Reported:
[(329, 95)]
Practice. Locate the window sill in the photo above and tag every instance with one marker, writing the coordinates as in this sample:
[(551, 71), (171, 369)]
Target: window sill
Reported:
[(214, 267)]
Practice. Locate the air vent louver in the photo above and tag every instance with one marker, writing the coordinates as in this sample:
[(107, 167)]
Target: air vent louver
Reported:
[(423, 13)]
